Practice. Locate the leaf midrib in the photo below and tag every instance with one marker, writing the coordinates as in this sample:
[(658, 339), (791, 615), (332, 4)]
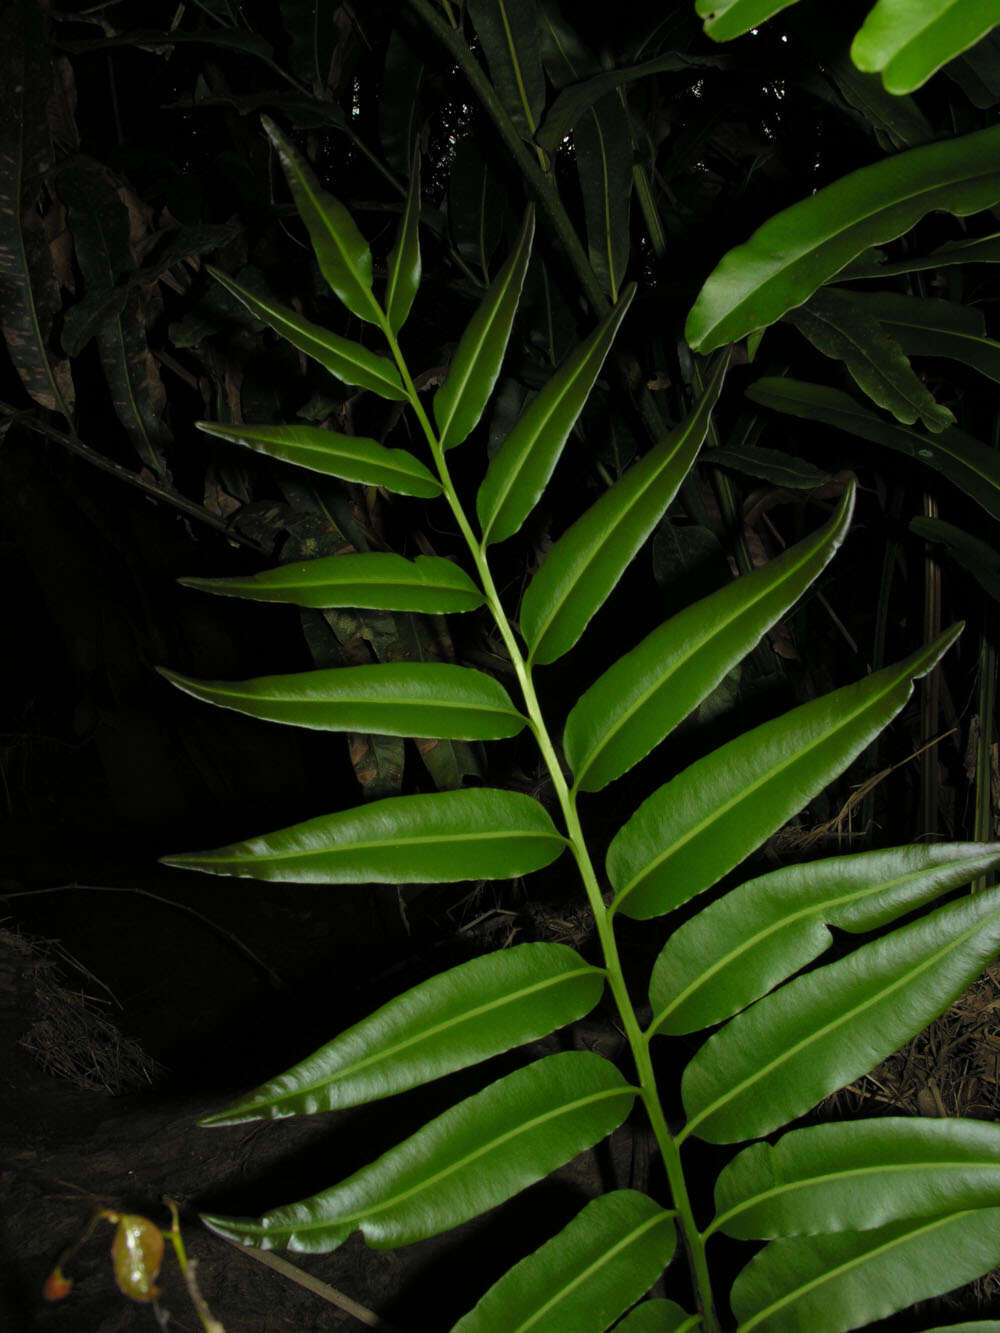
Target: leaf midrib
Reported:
[(465, 705), (383, 844)]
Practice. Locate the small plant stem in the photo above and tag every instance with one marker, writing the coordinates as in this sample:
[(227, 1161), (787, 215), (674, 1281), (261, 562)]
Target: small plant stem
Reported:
[(693, 1240)]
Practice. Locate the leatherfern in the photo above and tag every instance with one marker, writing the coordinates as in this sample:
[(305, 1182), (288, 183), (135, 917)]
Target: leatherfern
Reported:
[(860, 1219)]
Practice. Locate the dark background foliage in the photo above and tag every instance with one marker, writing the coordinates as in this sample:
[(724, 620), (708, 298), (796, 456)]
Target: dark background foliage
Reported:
[(142, 159)]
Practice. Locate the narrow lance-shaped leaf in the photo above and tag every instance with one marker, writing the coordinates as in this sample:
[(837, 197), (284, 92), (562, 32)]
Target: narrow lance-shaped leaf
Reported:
[(456, 1019), (473, 1157), (778, 1058), (848, 1280), (639, 700), (582, 1279), (907, 41), (705, 821), (508, 30), (799, 249), (978, 558), (29, 291), (856, 1176), (390, 698), (584, 565), (343, 254), (842, 328), (441, 838), (347, 361), (349, 457), (603, 149), (520, 470), (966, 462), (459, 402), (762, 932), (403, 279), (377, 580)]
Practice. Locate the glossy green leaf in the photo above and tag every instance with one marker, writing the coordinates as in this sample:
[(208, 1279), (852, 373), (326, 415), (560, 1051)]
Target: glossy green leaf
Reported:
[(582, 1279), (460, 401), (907, 41), (441, 838), (520, 470), (347, 361), (508, 30), (927, 327), (349, 457), (403, 279), (778, 1058), (645, 694), (858, 1175), (845, 1281), (473, 1157), (967, 463), (343, 254), (978, 558), (726, 19), (456, 1019), (842, 328), (583, 566), (799, 249), (377, 580), (697, 827), (390, 698), (658, 1316), (760, 933), (972, 1326)]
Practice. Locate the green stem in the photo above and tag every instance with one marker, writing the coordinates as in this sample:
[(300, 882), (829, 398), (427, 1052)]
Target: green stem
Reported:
[(692, 1238)]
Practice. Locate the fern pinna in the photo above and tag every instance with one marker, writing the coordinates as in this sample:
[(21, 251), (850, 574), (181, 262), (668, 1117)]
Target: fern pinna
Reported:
[(860, 1219)]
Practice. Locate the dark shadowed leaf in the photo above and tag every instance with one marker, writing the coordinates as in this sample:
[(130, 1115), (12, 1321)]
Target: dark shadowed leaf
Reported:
[(403, 278), (978, 558), (508, 30)]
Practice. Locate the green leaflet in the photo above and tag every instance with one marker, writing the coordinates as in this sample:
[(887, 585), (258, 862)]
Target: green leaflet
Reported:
[(801, 248), (907, 41), (840, 1282), (377, 580), (929, 327), (859, 1175), (586, 1276), (658, 1316), (973, 1326), (508, 30), (459, 402), (403, 279), (347, 361), (473, 1157), (520, 470), (726, 19), (342, 252), (456, 1019), (981, 250), (349, 457), (967, 463), (842, 328), (762, 932), (391, 699), (645, 694), (583, 566), (978, 558), (780, 1057), (441, 838), (767, 464), (702, 823)]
